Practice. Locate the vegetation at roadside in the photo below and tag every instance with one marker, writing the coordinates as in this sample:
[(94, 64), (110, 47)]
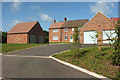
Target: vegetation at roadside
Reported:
[(13, 47), (116, 51), (46, 36), (76, 44), (93, 60), (4, 37)]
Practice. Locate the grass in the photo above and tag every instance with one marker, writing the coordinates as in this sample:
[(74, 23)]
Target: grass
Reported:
[(13, 47), (93, 60)]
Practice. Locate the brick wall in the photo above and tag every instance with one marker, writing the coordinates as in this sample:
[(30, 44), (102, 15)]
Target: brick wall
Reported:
[(98, 23), (25, 38), (38, 31), (68, 33), (17, 38), (51, 34), (61, 35)]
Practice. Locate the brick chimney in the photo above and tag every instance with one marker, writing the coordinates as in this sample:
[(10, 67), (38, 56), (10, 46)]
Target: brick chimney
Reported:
[(54, 21), (65, 19)]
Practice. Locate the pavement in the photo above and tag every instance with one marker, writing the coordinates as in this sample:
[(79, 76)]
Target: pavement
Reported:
[(34, 63)]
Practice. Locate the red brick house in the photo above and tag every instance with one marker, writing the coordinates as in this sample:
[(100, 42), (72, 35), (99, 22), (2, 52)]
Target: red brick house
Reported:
[(63, 31), (100, 24), (115, 19), (28, 32)]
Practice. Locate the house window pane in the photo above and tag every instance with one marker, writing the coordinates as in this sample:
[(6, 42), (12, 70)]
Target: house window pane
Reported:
[(66, 37), (55, 37), (66, 29), (79, 29), (55, 30), (72, 29)]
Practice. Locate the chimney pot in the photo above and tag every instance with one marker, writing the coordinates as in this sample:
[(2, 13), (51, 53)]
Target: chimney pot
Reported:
[(54, 21), (65, 19)]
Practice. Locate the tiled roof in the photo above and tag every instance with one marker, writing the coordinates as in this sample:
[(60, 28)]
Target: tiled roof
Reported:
[(115, 19), (72, 23), (56, 25), (22, 27)]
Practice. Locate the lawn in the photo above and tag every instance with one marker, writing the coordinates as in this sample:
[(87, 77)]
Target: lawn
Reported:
[(93, 60), (13, 47)]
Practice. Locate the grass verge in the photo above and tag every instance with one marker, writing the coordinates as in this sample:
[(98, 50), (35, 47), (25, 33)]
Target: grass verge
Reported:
[(13, 47), (93, 60)]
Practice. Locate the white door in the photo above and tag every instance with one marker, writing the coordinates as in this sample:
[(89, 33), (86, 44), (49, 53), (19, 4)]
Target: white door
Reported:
[(108, 34), (87, 37), (71, 38)]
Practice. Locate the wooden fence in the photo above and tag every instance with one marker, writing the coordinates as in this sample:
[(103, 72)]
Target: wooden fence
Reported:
[(100, 43)]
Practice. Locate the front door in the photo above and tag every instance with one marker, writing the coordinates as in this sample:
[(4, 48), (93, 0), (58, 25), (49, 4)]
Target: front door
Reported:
[(71, 38)]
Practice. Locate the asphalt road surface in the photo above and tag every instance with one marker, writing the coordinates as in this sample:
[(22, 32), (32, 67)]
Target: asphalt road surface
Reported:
[(35, 63)]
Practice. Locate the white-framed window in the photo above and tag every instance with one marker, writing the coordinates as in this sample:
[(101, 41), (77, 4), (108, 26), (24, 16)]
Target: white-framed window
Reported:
[(72, 29), (66, 37), (66, 29), (79, 37), (79, 29), (55, 30), (55, 37)]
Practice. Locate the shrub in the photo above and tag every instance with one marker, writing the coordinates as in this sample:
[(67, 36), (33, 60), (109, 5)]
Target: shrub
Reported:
[(116, 51)]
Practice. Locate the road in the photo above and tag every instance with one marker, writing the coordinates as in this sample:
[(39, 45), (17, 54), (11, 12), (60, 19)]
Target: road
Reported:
[(35, 63)]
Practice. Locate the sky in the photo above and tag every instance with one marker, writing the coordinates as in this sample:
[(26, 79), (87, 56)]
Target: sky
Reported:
[(45, 12)]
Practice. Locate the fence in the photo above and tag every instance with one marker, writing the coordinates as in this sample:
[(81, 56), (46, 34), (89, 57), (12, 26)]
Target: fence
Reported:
[(100, 43)]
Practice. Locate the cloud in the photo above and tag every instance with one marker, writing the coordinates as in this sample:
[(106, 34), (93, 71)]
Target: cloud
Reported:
[(104, 7), (31, 18), (15, 6), (45, 17), (35, 7)]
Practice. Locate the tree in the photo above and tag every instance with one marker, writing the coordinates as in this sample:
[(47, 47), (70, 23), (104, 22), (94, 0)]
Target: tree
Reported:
[(46, 36), (76, 44), (0, 36), (116, 52), (95, 36), (4, 37)]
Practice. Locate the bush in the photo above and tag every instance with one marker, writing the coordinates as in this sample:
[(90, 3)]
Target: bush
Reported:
[(116, 51), (4, 37)]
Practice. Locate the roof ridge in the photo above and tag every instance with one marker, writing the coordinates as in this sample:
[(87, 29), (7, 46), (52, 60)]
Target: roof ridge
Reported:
[(72, 23), (71, 20)]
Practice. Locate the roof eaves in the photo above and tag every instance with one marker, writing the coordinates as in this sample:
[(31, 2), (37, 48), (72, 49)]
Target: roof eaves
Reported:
[(18, 33)]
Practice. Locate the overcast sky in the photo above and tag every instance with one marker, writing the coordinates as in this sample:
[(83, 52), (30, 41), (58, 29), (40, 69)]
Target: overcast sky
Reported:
[(45, 12)]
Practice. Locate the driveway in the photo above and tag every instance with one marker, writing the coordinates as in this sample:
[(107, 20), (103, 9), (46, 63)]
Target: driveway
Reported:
[(35, 63)]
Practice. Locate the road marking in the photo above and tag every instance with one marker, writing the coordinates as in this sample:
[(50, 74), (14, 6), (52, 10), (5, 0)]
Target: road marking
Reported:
[(60, 52), (0, 78), (79, 68), (27, 56)]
